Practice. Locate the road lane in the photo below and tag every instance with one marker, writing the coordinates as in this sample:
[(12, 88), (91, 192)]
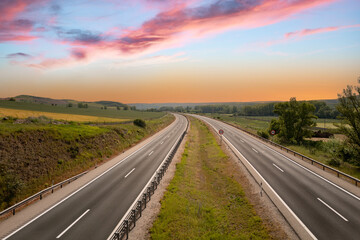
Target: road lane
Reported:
[(108, 197), (300, 188)]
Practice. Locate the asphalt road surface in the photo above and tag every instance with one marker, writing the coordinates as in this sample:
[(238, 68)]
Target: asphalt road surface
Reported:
[(93, 211), (326, 209)]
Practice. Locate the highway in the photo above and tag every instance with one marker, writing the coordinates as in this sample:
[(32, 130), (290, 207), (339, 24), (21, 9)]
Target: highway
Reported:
[(94, 210), (327, 210)]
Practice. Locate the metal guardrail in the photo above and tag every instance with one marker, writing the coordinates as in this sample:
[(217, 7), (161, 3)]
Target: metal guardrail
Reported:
[(39, 195), (122, 232), (305, 158)]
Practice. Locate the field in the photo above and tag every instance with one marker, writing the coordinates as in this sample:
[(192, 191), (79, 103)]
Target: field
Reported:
[(204, 199), (91, 111), (57, 116), (256, 123)]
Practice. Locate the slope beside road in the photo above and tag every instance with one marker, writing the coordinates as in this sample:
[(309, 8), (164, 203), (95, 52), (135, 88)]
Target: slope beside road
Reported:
[(93, 210), (325, 210)]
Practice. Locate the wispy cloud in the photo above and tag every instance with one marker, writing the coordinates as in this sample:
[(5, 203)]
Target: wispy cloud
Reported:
[(293, 36), (153, 60), (305, 32), (18, 55)]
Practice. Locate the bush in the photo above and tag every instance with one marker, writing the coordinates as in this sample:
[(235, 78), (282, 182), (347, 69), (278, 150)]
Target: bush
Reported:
[(140, 123), (334, 162), (263, 134)]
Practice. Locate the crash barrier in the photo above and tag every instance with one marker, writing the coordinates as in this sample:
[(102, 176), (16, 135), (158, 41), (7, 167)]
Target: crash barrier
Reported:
[(122, 231), (324, 167), (39, 195)]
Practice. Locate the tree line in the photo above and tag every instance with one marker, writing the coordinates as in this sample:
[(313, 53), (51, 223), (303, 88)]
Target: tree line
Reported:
[(322, 109)]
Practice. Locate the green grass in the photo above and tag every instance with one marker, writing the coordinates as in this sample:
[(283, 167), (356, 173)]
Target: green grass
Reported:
[(91, 111), (204, 200)]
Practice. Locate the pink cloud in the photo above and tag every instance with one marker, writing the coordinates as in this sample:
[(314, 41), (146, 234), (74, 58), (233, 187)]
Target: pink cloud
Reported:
[(306, 32), (12, 26)]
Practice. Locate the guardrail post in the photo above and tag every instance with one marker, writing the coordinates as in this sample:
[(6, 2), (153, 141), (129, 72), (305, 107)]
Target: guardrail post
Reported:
[(13, 211), (40, 196), (145, 200), (139, 204), (127, 228), (133, 213), (149, 192)]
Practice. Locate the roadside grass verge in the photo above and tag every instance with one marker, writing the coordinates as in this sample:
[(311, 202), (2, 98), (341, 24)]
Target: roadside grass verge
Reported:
[(204, 200), (34, 155)]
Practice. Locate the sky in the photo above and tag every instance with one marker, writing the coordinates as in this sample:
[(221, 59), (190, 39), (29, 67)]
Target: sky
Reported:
[(157, 51)]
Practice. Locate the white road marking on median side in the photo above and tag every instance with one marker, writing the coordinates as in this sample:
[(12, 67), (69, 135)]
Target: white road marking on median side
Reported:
[(161, 142), (129, 173), (332, 209), (62, 233), (151, 153), (84, 186), (275, 193), (255, 150), (241, 140), (141, 192), (278, 167)]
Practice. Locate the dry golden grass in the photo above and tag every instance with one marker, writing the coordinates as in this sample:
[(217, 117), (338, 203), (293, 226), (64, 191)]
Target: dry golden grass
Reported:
[(58, 116)]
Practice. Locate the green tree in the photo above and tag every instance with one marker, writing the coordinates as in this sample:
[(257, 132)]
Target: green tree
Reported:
[(294, 120), (349, 107)]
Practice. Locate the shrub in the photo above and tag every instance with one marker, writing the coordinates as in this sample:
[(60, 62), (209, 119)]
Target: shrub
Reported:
[(263, 134), (140, 123), (334, 162)]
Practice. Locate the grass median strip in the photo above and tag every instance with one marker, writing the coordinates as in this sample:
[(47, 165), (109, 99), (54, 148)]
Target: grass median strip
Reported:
[(204, 200)]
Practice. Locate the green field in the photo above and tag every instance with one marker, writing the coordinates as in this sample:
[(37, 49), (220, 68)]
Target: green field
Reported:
[(205, 199), (91, 111), (256, 123)]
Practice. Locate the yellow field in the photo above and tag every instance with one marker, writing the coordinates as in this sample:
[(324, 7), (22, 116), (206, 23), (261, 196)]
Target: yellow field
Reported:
[(58, 116)]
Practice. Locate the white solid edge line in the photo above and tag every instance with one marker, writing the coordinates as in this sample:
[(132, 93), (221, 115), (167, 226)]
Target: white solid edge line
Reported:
[(151, 153), (305, 168), (62, 233), (58, 203), (129, 173), (254, 150), (332, 209), (135, 201), (278, 167), (281, 200)]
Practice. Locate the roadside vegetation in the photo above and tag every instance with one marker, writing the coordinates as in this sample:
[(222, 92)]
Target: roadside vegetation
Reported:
[(204, 199), (38, 151)]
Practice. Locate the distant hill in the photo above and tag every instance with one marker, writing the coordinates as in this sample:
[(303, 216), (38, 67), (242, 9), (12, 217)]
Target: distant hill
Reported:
[(111, 104), (51, 101)]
